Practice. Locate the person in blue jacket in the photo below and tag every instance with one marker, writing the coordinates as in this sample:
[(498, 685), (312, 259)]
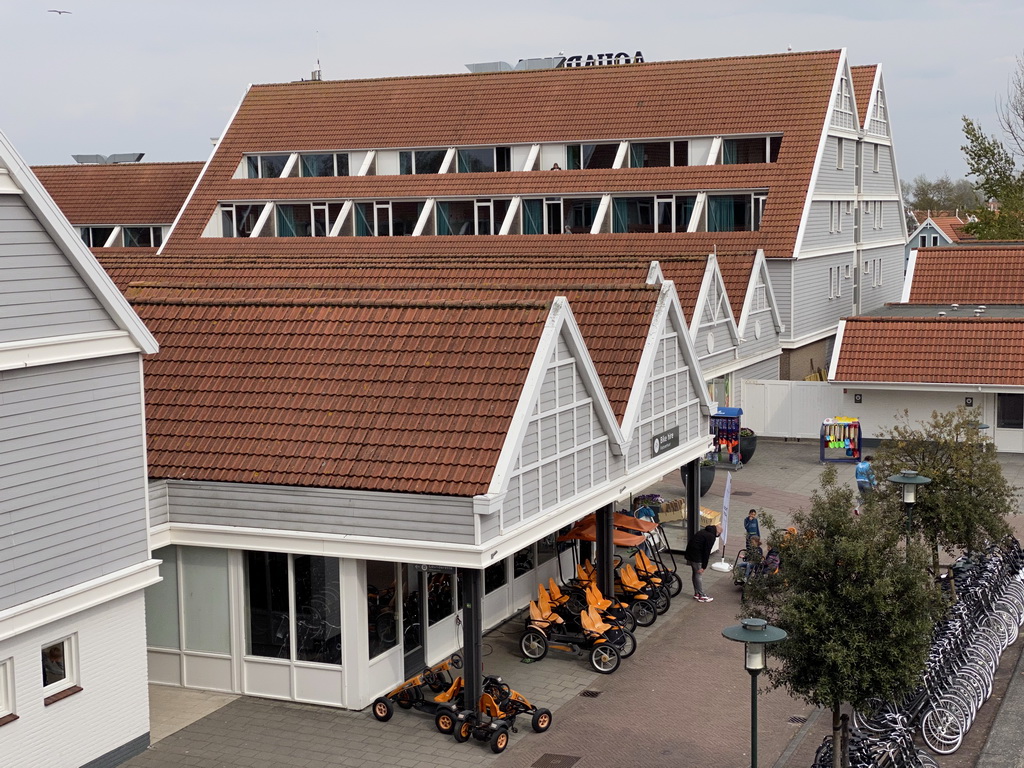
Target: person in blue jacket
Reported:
[(866, 481), (751, 525)]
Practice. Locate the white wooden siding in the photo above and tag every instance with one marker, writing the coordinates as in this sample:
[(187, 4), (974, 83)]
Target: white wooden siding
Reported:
[(72, 479), (41, 294)]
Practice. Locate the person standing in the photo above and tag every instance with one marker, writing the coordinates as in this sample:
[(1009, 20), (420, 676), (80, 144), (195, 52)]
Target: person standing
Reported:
[(865, 476), (697, 554), (751, 525)]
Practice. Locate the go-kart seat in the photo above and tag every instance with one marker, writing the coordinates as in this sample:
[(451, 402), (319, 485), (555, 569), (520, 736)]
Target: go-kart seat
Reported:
[(446, 697)]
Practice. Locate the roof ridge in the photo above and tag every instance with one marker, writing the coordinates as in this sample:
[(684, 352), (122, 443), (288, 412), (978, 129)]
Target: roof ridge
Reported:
[(324, 302)]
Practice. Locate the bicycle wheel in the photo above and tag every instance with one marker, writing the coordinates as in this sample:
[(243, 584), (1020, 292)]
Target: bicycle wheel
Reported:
[(941, 731)]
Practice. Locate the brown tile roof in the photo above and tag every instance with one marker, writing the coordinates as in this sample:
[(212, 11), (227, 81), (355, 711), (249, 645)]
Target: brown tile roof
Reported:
[(951, 226), (975, 275), (755, 94), (736, 269), (129, 193), (863, 84), (386, 389), (946, 350)]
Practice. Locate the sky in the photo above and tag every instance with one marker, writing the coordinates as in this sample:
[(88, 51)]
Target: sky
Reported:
[(164, 76)]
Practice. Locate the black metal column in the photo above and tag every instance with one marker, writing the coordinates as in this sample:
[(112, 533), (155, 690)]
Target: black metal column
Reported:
[(605, 550), (472, 633), (691, 472)]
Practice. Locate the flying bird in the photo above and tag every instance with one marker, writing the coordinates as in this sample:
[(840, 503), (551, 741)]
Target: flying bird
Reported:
[(52, 10)]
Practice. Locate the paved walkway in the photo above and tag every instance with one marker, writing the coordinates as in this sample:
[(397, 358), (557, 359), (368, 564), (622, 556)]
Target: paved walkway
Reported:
[(682, 700)]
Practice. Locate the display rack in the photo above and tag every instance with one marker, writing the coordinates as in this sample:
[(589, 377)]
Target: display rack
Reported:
[(840, 439), (725, 426)]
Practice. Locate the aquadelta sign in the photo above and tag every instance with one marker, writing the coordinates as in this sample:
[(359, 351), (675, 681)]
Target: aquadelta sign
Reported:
[(603, 59)]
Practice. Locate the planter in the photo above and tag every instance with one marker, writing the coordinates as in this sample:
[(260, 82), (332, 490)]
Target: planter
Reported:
[(748, 444), (707, 477)]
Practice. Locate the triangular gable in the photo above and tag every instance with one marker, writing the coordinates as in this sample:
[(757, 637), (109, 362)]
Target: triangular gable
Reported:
[(667, 314), (713, 307), (928, 222), (561, 327), (876, 122), (759, 289), (843, 115), (22, 182)]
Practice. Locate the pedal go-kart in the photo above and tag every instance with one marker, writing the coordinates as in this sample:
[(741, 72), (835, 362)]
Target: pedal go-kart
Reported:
[(409, 695), (545, 630), (496, 719)]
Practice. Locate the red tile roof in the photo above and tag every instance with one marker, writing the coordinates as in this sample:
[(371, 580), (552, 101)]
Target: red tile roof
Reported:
[(969, 275), (120, 194), (384, 389), (946, 350), (863, 86), (952, 227), (755, 94)]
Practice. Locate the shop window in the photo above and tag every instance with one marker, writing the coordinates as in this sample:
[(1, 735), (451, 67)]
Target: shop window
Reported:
[(162, 628), (96, 237), (204, 585), (633, 214), (60, 666), (547, 548), (317, 609), (265, 166), (587, 156), (7, 691), (1009, 411), (324, 164), (495, 577), (523, 562), (382, 622), (440, 596), (420, 161), (729, 213), (142, 237), (267, 604)]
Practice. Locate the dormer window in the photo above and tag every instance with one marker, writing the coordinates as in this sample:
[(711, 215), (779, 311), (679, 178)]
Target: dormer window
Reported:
[(586, 156), (96, 237), (240, 220), (420, 161), (266, 166), (484, 159), (142, 237), (332, 164), (760, 149)]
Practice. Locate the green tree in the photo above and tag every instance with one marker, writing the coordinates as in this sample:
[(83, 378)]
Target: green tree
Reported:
[(942, 194), (968, 499), (997, 178), (859, 613)]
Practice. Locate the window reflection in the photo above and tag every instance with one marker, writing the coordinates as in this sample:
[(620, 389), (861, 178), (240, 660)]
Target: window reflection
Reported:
[(382, 624), (317, 609), (495, 576), (440, 598)]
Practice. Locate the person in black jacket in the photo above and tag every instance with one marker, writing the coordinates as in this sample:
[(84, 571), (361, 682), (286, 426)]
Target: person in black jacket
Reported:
[(697, 554)]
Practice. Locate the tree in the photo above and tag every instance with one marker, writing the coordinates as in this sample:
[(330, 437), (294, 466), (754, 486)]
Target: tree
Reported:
[(859, 614), (968, 498), (942, 194)]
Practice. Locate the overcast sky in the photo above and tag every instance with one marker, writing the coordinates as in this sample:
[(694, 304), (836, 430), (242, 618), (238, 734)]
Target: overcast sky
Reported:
[(163, 76)]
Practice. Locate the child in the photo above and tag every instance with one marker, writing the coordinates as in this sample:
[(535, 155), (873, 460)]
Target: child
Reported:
[(751, 525), (753, 557)]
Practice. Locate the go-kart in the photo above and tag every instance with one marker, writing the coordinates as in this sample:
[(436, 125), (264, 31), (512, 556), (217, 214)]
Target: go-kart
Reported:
[(496, 718)]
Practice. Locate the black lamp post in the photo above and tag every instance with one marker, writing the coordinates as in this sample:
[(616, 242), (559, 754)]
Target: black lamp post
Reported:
[(756, 634), (909, 479)]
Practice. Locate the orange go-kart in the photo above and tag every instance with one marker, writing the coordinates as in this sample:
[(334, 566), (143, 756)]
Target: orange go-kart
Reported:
[(496, 719)]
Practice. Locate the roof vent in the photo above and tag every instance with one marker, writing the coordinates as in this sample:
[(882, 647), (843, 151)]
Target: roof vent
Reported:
[(942, 314), (955, 307), (978, 312), (314, 75), (981, 307)]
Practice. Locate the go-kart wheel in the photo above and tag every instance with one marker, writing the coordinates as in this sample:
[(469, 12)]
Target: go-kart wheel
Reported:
[(499, 739), (404, 700), (675, 584), (444, 720), (382, 709), (628, 620), (604, 658), (463, 730), (644, 613), (625, 642), (533, 644), (662, 599), (541, 720)]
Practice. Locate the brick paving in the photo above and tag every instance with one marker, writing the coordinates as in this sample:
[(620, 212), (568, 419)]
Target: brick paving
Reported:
[(682, 700)]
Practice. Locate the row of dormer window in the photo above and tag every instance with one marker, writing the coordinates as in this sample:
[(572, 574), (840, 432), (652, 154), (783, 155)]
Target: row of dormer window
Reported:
[(122, 237), (608, 155), (696, 212)]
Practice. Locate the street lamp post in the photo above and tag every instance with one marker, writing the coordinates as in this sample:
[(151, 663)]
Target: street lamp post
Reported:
[(909, 479), (756, 634)]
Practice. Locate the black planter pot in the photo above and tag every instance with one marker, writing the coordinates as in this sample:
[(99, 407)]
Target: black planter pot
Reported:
[(747, 447), (707, 477)]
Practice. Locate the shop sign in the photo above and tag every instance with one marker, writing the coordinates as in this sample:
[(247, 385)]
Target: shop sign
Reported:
[(665, 441), (603, 59), (435, 568)]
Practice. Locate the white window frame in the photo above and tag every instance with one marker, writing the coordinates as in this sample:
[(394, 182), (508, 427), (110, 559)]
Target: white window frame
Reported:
[(70, 664), (835, 221), (7, 706), (833, 280), (840, 153), (935, 241), (874, 158), (878, 216), (923, 241)]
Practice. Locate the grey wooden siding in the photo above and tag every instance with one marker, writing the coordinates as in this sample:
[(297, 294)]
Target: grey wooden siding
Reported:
[(832, 180), (319, 510), (750, 346), (813, 310), (41, 294), (780, 272), (883, 182), (72, 479), (724, 346), (564, 451), (879, 289), (891, 223), (158, 503), (817, 235)]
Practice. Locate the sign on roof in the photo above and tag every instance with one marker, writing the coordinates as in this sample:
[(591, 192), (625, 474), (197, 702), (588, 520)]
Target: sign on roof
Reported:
[(603, 59)]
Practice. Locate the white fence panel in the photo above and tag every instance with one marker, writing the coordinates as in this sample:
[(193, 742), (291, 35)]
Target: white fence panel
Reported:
[(789, 408)]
